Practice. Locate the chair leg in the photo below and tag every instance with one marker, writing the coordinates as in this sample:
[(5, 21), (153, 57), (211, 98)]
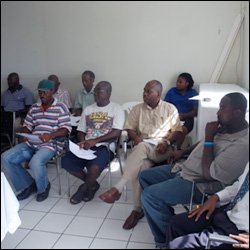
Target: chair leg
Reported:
[(68, 183), (58, 175), (191, 198)]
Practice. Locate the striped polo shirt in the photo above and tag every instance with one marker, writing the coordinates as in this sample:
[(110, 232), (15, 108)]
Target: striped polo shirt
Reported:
[(40, 121)]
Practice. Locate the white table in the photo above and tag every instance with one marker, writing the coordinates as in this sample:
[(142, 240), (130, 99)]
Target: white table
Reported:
[(10, 219)]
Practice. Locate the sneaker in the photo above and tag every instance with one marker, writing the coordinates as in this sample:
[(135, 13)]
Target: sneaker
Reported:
[(27, 191), (44, 195)]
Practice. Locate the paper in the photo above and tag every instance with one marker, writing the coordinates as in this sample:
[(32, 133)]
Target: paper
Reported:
[(74, 120), (80, 152), (154, 141), (31, 137)]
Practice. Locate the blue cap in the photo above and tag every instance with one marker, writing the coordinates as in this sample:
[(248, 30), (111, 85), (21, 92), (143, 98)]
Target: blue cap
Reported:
[(46, 85)]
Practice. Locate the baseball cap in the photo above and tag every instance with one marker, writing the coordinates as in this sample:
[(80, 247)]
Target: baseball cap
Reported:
[(46, 85)]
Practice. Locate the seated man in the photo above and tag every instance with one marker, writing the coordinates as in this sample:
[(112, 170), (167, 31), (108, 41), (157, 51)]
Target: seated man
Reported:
[(85, 97), (226, 213), (222, 157), (16, 98), (156, 121), (62, 95), (48, 119), (100, 122)]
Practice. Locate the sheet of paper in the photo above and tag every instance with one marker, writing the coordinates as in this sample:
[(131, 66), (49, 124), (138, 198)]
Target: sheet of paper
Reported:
[(74, 120), (31, 137), (153, 141), (81, 153)]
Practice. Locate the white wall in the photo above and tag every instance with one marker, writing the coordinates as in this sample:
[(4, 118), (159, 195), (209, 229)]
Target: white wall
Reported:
[(126, 43)]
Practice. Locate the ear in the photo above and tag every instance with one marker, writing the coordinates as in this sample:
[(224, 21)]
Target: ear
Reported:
[(237, 113)]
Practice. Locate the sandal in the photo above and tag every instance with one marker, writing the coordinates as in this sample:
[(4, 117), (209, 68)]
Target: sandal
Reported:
[(78, 196), (89, 195)]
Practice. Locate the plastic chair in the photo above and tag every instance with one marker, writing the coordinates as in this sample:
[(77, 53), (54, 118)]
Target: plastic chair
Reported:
[(127, 107), (56, 159), (7, 130)]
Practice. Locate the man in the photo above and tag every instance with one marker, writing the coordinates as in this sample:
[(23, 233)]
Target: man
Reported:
[(48, 120), (86, 96), (225, 213), (62, 95), (157, 121), (16, 98), (100, 122), (221, 157)]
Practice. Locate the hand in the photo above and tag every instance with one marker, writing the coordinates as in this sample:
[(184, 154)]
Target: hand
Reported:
[(208, 206), (87, 144), (174, 156), (45, 137), (211, 130), (243, 238), (161, 148)]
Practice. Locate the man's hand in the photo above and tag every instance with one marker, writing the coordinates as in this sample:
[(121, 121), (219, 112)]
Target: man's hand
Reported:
[(208, 206), (161, 148), (87, 144), (243, 238), (45, 137)]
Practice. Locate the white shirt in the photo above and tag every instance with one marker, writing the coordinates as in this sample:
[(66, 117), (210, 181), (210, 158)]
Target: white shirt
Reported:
[(97, 121), (239, 215), (62, 95)]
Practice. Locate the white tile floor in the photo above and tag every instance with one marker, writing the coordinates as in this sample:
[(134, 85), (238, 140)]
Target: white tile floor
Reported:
[(55, 223)]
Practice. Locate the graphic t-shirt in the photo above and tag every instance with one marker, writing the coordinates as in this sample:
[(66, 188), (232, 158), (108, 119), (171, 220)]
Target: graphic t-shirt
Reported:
[(97, 121)]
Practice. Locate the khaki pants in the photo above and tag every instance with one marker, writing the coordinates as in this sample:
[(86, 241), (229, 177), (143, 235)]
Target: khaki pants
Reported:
[(143, 156)]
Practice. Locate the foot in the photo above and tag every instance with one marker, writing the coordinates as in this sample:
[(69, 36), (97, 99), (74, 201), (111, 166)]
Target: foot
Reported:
[(27, 191), (78, 196), (133, 219), (44, 195), (89, 195), (111, 195)]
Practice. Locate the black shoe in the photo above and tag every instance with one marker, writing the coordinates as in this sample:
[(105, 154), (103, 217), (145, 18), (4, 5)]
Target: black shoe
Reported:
[(27, 191), (77, 196), (44, 195), (91, 192)]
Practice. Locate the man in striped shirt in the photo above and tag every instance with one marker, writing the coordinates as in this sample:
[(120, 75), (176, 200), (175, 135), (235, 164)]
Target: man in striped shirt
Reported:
[(47, 120)]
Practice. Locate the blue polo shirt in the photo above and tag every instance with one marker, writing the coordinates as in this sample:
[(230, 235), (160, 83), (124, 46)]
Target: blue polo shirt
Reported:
[(181, 102), (14, 101)]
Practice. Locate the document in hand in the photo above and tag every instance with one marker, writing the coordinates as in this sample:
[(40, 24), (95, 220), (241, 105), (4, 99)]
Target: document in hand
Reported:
[(31, 137), (81, 153)]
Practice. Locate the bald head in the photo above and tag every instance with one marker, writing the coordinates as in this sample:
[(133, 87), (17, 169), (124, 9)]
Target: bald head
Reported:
[(152, 93), (54, 79)]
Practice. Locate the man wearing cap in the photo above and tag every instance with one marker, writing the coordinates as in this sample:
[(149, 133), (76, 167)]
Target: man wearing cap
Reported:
[(48, 119)]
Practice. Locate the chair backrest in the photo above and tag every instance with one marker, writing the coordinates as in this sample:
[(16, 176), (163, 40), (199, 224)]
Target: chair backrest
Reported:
[(8, 124), (127, 106)]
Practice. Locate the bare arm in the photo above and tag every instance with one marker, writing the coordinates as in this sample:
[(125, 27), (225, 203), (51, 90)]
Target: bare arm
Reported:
[(134, 136), (208, 152)]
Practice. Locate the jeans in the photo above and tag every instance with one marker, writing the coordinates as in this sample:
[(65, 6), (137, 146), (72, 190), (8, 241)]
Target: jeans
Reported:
[(162, 190), (12, 160)]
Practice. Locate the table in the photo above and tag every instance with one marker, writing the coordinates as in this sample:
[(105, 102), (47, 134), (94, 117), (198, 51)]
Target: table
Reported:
[(10, 219)]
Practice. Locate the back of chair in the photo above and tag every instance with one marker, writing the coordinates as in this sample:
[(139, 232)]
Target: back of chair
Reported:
[(8, 126)]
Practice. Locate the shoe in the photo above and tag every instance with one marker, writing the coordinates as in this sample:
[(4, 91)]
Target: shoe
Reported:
[(44, 195), (78, 195), (89, 195), (133, 219), (27, 191), (111, 195)]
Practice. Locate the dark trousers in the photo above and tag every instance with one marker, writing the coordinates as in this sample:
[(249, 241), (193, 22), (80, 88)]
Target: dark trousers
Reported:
[(181, 225)]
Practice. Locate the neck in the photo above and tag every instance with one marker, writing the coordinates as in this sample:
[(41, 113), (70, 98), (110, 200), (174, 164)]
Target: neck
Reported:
[(236, 127)]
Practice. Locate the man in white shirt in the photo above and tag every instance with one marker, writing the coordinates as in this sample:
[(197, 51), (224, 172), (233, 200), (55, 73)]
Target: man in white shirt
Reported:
[(62, 95), (219, 214)]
